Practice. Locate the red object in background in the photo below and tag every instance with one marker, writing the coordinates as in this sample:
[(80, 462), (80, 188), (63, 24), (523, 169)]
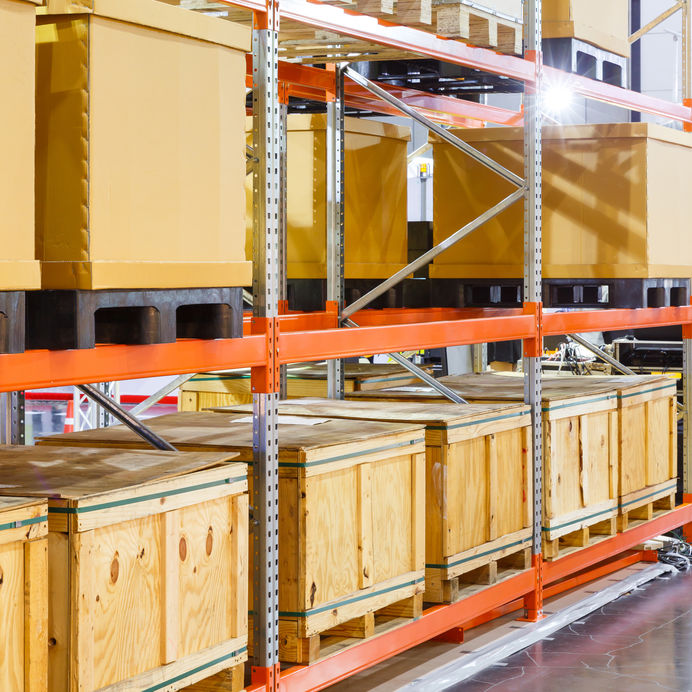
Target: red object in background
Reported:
[(68, 427)]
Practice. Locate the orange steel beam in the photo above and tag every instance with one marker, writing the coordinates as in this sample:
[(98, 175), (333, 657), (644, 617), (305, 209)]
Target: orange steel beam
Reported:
[(297, 347), (557, 323), (313, 83), (579, 560), (38, 369), (433, 622)]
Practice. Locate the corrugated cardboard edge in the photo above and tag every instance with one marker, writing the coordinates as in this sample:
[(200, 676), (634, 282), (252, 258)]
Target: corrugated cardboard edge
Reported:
[(304, 122), (579, 132), (158, 15)]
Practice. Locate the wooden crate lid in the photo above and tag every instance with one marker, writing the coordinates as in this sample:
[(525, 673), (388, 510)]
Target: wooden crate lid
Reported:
[(428, 414), (311, 442), (161, 16), (22, 518), (582, 133), (57, 472), (360, 372)]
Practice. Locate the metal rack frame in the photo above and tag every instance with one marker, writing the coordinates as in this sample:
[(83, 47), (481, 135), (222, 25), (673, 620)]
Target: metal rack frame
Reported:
[(273, 337)]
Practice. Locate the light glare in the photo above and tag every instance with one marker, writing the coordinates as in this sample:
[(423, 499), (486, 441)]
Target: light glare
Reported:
[(557, 99)]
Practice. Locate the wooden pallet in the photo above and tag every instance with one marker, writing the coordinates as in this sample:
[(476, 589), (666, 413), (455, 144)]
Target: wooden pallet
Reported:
[(583, 537), (478, 578), (229, 680), (308, 650), (654, 503), (455, 19)]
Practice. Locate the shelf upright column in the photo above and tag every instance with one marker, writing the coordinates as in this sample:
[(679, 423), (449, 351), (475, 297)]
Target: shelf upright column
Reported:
[(12, 418), (335, 220), (533, 604), (266, 134), (283, 220)]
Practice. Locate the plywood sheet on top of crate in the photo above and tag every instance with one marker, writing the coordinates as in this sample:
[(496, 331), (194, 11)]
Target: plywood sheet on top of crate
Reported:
[(202, 431), (69, 473)]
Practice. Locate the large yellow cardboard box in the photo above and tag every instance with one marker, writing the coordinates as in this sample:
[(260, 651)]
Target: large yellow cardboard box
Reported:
[(18, 267), (603, 24), (375, 215), (140, 147), (615, 204)]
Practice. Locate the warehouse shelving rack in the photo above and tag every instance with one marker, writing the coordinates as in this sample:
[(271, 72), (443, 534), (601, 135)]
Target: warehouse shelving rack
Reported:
[(275, 337)]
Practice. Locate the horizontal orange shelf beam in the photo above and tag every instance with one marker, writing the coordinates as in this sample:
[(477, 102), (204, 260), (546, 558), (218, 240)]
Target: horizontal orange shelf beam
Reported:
[(557, 323), (296, 347), (38, 369)]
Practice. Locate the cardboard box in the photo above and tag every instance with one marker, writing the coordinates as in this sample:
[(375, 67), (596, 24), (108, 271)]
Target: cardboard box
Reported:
[(614, 203), (603, 24), (140, 147), (19, 269), (375, 233)]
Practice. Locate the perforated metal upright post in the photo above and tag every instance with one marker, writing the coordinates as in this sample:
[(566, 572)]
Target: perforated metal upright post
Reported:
[(13, 418), (266, 134), (687, 409), (335, 220), (533, 279), (686, 90), (283, 220)]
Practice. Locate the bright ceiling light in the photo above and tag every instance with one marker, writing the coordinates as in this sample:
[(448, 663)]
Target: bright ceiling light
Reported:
[(557, 99)]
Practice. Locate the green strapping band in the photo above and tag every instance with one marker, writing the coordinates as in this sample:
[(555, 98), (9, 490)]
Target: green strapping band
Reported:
[(526, 541), (298, 465), (194, 671), (546, 529), (670, 385), (548, 408), (670, 488), (23, 522), (144, 498), (478, 422), (348, 601)]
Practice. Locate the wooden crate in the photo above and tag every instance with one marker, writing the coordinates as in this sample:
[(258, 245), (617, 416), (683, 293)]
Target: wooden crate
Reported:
[(375, 222), (351, 511), (211, 390), (140, 162), (148, 564), (580, 447), (478, 482), (613, 203), (19, 269), (23, 594), (603, 24)]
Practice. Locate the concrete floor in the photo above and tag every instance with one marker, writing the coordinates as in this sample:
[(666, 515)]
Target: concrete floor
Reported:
[(641, 642)]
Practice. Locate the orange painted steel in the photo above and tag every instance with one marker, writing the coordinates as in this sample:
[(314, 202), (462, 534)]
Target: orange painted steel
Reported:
[(587, 564), (38, 369), (558, 323), (377, 31), (296, 347)]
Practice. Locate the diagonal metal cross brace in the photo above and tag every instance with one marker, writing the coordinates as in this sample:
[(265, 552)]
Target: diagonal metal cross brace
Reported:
[(446, 135), (428, 256), (124, 417), (420, 373)]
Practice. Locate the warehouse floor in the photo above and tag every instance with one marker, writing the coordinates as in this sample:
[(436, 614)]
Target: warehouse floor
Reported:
[(640, 642)]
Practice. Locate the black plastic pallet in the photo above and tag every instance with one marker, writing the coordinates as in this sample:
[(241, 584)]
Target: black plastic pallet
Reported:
[(81, 319)]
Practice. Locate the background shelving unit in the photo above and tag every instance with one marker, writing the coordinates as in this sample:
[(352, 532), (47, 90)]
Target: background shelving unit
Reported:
[(274, 337)]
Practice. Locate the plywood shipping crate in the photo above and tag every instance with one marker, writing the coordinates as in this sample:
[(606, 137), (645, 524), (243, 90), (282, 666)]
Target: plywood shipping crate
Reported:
[(209, 390), (23, 594), (147, 564), (140, 156), (613, 203), (580, 447), (19, 269), (375, 183), (603, 24), (478, 513), (351, 515)]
